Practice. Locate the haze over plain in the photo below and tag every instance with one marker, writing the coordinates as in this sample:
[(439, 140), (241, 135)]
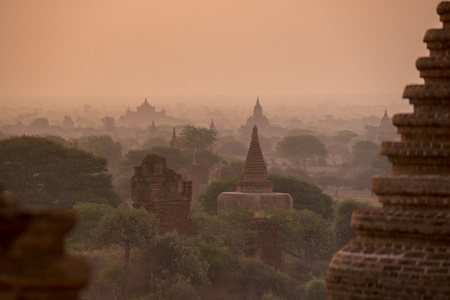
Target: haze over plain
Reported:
[(203, 47)]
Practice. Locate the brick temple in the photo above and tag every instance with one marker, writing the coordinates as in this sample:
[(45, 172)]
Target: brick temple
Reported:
[(162, 192), (402, 249), (254, 192)]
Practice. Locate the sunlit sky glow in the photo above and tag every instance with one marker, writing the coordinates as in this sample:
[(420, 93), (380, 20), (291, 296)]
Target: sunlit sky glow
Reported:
[(204, 47)]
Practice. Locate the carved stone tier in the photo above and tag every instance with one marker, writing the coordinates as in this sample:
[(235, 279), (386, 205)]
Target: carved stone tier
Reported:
[(402, 250)]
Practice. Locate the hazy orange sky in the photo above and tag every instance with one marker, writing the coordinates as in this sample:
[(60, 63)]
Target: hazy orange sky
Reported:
[(201, 47)]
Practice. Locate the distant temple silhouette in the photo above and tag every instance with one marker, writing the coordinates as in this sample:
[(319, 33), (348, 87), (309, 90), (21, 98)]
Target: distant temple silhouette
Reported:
[(144, 115), (385, 131), (257, 118), (174, 143)]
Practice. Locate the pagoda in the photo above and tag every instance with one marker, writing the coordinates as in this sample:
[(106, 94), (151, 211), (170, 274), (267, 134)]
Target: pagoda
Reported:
[(142, 116), (258, 118), (254, 192), (174, 143), (402, 249)]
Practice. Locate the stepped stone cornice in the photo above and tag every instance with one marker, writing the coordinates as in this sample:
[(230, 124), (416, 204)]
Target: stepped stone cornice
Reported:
[(402, 249)]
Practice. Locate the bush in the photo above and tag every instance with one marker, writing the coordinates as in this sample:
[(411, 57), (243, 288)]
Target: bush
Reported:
[(270, 296), (83, 236), (208, 197), (177, 288), (343, 215), (113, 275), (217, 256), (256, 278), (314, 290), (228, 233), (173, 255), (305, 194), (306, 234)]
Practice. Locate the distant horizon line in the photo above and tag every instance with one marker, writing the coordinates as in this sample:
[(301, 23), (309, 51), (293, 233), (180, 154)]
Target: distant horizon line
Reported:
[(202, 95)]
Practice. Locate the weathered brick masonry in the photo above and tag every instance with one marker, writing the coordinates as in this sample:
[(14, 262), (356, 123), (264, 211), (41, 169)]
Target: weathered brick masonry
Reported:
[(402, 250), (162, 192), (265, 240)]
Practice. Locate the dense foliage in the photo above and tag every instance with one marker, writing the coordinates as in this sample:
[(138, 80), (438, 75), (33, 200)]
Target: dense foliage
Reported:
[(306, 235), (208, 197), (45, 173), (128, 228), (301, 148), (343, 216), (305, 194), (194, 139)]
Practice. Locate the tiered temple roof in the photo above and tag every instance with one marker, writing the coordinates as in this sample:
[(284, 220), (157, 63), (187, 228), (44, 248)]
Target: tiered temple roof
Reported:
[(255, 169), (254, 192), (402, 250)]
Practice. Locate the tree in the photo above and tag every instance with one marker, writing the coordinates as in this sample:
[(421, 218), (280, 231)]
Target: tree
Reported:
[(208, 197), (104, 146), (233, 147), (40, 123), (128, 228), (172, 259), (314, 289), (301, 148), (83, 236), (113, 275), (256, 278), (154, 141), (109, 122), (361, 179), (305, 194), (363, 153), (194, 139), (45, 173), (343, 215), (68, 122), (332, 181), (236, 167), (306, 235)]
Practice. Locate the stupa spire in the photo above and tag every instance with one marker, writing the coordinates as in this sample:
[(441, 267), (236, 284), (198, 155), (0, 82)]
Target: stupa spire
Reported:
[(174, 143), (255, 167), (212, 126)]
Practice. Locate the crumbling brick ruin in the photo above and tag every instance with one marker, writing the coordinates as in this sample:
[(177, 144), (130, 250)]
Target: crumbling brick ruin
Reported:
[(33, 264), (162, 192), (402, 250), (265, 239)]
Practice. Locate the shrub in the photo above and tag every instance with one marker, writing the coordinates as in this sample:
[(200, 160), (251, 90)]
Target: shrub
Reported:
[(218, 257), (113, 275), (314, 290), (343, 215), (256, 278), (270, 296)]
